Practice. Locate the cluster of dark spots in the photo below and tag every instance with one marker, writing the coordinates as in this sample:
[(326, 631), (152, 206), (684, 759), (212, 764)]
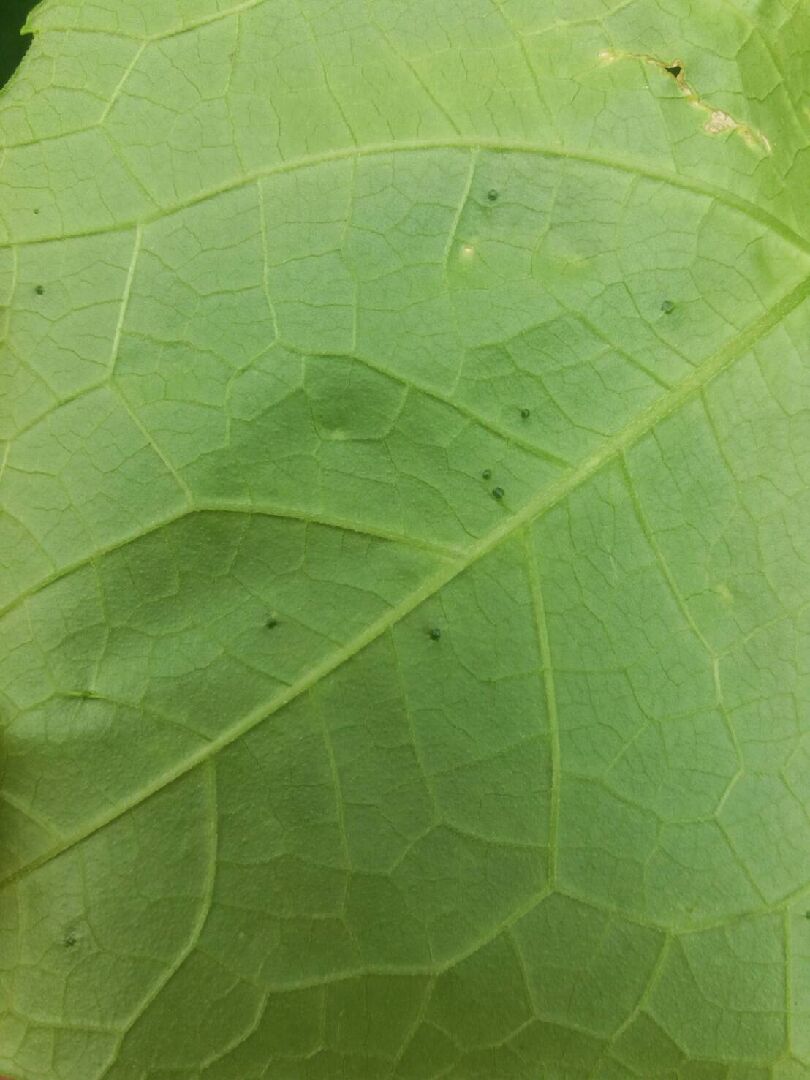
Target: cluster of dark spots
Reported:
[(525, 414), (434, 633), (667, 307), (497, 492), (39, 290), (492, 195)]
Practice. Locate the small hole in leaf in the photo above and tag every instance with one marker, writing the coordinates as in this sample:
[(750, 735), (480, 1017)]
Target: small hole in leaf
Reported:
[(675, 70), (435, 633), (498, 493), (667, 307), (486, 474)]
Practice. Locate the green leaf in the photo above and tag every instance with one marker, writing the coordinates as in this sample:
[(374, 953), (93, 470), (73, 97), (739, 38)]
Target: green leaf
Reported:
[(406, 502)]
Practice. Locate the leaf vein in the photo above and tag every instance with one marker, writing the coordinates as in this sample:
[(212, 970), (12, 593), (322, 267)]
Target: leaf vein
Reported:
[(550, 497)]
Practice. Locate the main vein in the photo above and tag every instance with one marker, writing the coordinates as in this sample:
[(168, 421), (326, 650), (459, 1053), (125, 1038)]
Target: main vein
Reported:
[(495, 145), (644, 422)]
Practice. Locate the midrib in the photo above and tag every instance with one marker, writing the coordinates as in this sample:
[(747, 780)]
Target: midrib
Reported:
[(468, 143), (644, 422)]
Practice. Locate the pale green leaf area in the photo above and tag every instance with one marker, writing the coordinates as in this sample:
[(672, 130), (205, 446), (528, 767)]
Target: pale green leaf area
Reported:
[(405, 637)]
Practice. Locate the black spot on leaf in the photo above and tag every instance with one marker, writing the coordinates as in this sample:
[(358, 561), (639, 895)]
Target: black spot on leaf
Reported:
[(486, 474), (435, 633), (667, 307), (39, 290), (525, 414), (492, 195), (675, 70), (271, 623), (498, 493)]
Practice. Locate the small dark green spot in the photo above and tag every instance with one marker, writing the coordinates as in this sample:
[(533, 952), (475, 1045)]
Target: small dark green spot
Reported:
[(39, 290), (667, 307), (807, 914), (271, 623), (486, 474), (36, 211), (435, 633), (70, 939), (492, 195), (525, 414), (498, 493)]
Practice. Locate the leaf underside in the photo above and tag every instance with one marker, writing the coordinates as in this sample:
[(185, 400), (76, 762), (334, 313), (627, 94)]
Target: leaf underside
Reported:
[(404, 665)]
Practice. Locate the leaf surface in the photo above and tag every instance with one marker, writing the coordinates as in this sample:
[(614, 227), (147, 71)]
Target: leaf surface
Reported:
[(404, 539)]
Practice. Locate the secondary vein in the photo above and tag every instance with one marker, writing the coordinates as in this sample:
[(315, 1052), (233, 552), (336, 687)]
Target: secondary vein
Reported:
[(550, 497)]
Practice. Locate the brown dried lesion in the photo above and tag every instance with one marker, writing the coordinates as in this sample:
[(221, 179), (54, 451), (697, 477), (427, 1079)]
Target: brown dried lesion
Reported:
[(717, 120)]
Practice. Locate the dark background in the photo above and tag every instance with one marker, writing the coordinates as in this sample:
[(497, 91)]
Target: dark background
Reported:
[(13, 14)]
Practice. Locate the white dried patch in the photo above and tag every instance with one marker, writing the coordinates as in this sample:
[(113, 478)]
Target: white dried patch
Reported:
[(719, 121)]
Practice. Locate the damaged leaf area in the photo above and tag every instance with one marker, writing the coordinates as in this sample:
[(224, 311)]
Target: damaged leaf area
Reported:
[(404, 532), (717, 120)]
